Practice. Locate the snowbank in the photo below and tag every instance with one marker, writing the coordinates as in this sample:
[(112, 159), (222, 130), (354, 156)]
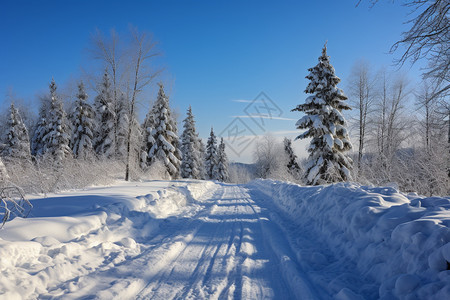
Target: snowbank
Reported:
[(72, 234), (402, 242)]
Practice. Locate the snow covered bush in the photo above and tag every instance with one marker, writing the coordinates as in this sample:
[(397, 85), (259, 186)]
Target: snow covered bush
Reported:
[(43, 176), (271, 160), (157, 171), (325, 124), (241, 173), (3, 172)]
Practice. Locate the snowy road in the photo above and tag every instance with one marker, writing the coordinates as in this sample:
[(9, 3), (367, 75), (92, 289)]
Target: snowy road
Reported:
[(191, 239), (229, 249)]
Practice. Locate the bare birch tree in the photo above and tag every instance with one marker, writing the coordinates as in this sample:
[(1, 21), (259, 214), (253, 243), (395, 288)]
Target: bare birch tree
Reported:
[(108, 50), (142, 50), (361, 92), (428, 38)]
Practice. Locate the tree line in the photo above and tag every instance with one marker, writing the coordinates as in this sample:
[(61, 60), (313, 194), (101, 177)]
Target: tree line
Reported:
[(108, 130)]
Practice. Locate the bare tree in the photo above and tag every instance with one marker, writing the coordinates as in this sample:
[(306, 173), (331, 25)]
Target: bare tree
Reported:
[(427, 106), (108, 50), (128, 65), (427, 38), (142, 50), (396, 124), (361, 92)]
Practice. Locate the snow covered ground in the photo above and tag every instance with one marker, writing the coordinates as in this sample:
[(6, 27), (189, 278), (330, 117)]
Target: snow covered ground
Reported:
[(192, 239)]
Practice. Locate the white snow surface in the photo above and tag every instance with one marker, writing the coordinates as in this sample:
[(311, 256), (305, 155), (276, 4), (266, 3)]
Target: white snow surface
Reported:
[(360, 242), (193, 239)]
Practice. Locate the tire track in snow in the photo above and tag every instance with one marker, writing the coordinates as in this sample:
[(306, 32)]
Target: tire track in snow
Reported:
[(170, 260), (228, 249), (290, 270)]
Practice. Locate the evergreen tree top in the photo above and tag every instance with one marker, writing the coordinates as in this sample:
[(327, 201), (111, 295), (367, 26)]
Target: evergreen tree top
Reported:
[(323, 79), (53, 88), (81, 92)]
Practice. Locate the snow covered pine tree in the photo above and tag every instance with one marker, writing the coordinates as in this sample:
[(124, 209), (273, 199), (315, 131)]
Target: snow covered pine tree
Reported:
[(17, 142), (148, 140), (292, 165), (104, 138), (222, 163), (56, 141), (165, 147), (211, 157), (326, 126), (82, 120), (191, 162), (41, 129)]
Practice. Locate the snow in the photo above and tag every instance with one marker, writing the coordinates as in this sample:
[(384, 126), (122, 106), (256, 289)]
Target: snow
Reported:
[(199, 239), (399, 244)]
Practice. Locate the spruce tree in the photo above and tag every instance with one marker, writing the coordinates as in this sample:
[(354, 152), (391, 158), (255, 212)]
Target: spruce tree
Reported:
[(211, 157), (292, 165), (56, 141), (165, 148), (191, 163), (222, 163), (41, 129), (17, 142), (82, 120), (325, 124), (104, 136), (148, 128)]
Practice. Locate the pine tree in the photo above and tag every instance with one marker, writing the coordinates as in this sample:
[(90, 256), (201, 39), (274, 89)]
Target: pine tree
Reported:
[(41, 129), (104, 137), (222, 163), (148, 128), (56, 141), (191, 163), (17, 140), (292, 165), (326, 126), (211, 157), (82, 120), (165, 147)]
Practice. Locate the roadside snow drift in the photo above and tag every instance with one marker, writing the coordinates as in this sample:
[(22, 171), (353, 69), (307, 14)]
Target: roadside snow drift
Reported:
[(73, 234), (400, 242)]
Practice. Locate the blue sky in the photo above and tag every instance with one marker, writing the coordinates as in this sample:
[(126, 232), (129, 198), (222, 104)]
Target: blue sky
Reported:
[(214, 52)]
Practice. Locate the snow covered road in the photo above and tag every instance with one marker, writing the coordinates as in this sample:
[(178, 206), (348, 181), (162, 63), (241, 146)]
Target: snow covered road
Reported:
[(215, 242), (223, 251), (193, 239)]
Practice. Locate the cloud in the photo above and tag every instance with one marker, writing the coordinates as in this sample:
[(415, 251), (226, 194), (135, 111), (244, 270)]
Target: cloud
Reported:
[(263, 116), (246, 101)]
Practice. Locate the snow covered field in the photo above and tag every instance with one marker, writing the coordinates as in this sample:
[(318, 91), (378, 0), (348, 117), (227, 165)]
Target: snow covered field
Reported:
[(199, 239)]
